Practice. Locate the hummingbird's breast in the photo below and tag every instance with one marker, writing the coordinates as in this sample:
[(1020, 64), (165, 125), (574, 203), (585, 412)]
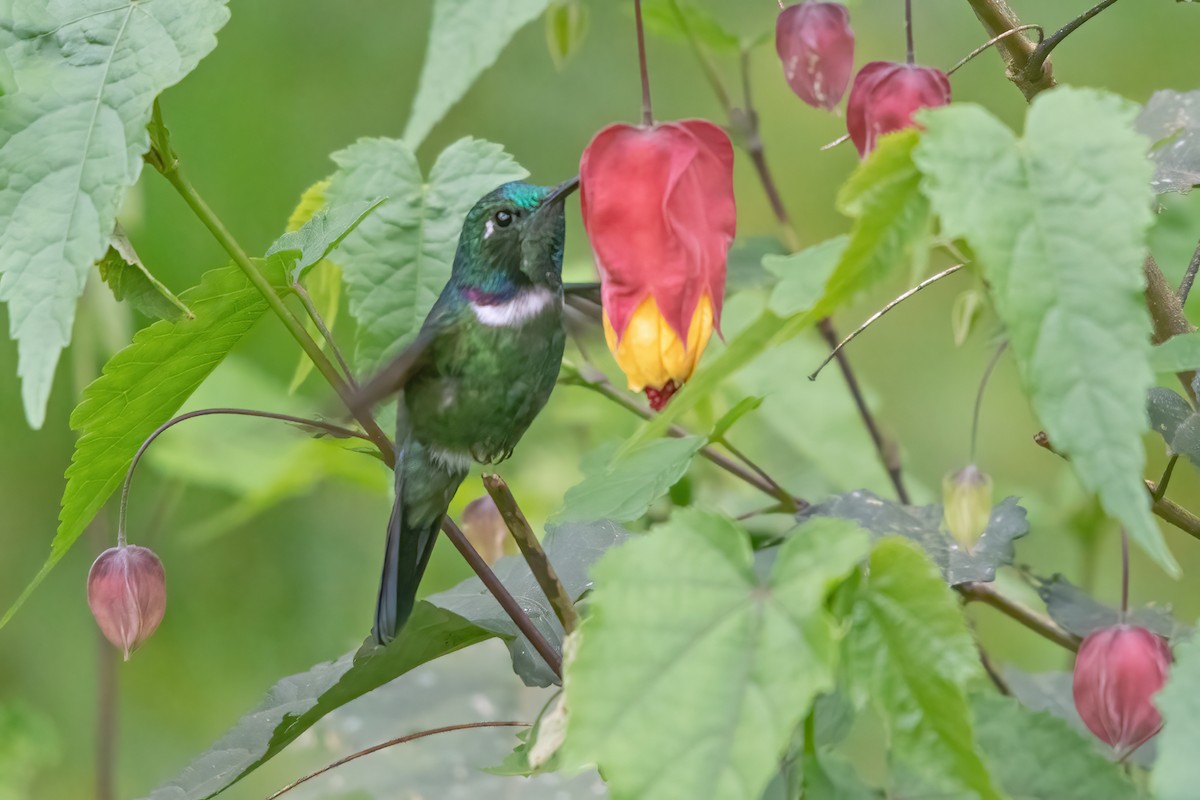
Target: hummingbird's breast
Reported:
[(490, 376)]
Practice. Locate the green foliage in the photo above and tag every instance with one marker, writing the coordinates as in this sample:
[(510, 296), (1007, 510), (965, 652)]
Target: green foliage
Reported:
[(466, 38), (1035, 756), (1177, 771), (1065, 207), (566, 26), (1173, 418), (28, 746), (924, 526), (572, 549), (681, 19), (890, 214), (1079, 613), (75, 96), (324, 286), (622, 484), (397, 261), (322, 233), (1177, 354), (802, 276), (693, 671), (828, 776), (909, 651), (1172, 121), (129, 280)]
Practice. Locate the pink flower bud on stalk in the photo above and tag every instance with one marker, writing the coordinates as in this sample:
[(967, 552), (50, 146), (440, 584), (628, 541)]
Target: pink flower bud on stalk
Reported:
[(127, 592), (1118, 671), (816, 45), (967, 504), (885, 96)]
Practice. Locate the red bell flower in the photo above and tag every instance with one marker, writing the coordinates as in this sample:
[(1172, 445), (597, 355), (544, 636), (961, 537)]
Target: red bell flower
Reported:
[(885, 96), (816, 45), (127, 592), (659, 210), (1118, 671)]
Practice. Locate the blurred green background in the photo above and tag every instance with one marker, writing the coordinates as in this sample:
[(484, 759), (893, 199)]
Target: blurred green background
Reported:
[(259, 590)]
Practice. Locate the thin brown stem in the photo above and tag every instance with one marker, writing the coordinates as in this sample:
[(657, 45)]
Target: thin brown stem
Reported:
[(335, 430), (702, 58), (998, 18), (1038, 623), (1165, 480), (1166, 312), (962, 62), (871, 320), (503, 597), (992, 673), (755, 468), (1034, 68), (983, 384), (1189, 277), (315, 315), (908, 32), (1124, 573), (647, 106), (412, 737), (539, 564)]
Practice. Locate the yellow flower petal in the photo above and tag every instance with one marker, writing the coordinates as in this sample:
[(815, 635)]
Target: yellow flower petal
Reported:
[(650, 354)]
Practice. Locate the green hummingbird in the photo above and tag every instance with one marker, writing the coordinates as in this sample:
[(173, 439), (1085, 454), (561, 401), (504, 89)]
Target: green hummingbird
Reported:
[(479, 371)]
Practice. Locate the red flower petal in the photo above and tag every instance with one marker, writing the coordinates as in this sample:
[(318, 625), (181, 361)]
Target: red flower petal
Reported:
[(1118, 671), (816, 45), (885, 96), (659, 210)]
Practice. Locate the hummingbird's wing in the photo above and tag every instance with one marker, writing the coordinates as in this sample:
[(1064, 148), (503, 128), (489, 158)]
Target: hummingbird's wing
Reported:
[(583, 297)]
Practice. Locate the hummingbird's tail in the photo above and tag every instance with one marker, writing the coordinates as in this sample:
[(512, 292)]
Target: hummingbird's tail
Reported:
[(425, 484)]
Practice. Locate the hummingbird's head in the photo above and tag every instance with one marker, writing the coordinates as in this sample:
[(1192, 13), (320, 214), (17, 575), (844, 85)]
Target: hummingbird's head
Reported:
[(517, 232)]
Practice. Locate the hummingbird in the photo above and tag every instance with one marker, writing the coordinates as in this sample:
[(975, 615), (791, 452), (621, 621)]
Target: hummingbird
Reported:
[(480, 369)]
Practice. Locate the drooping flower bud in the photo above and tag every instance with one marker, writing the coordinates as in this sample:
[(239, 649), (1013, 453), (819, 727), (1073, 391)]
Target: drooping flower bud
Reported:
[(127, 592), (658, 207), (816, 45), (1118, 671), (485, 528), (885, 96), (967, 504)]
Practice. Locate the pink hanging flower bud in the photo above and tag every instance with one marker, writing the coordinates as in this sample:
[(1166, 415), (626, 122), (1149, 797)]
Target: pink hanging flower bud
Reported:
[(658, 207), (816, 45), (1118, 671), (127, 592), (885, 96)]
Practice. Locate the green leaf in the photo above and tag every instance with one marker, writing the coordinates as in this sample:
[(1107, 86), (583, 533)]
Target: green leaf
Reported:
[(1035, 756), (294, 704), (572, 548), (693, 672), (909, 651), (673, 19), (1172, 121), (1059, 220), (466, 38), (142, 387), (1177, 354), (924, 526), (129, 280), (1177, 771), (1173, 418), (621, 486), (731, 417), (322, 233), (75, 97), (803, 275), (566, 26), (964, 314), (744, 270), (890, 213), (397, 261), (1079, 613), (828, 776), (324, 286)]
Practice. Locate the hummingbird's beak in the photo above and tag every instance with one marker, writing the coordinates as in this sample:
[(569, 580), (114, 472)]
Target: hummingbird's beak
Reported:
[(561, 192)]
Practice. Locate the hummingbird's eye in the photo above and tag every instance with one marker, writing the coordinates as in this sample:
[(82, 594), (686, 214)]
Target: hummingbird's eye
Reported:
[(504, 218)]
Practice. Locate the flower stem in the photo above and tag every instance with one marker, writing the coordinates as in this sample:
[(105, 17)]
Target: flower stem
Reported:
[(983, 383), (335, 430), (1189, 277), (326, 334), (908, 31), (392, 743), (1124, 574), (1034, 68), (531, 549), (647, 107), (1161, 490)]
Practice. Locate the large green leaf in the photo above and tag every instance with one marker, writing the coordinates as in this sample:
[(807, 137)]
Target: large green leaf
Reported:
[(621, 485), (397, 261), (143, 385), (1172, 417), (440, 624), (909, 651), (1059, 221), (803, 275), (1177, 354), (924, 525), (76, 90), (693, 671), (1035, 756), (466, 38), (1177, 772), (129, 280), (295, 703)]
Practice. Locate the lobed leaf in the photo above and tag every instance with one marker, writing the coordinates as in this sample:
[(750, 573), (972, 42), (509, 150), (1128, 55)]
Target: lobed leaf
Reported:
[(622, 485), (692, 671), (397, 261), (1079, 613), (79, 81), (1059, 221), (1177, 772)]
